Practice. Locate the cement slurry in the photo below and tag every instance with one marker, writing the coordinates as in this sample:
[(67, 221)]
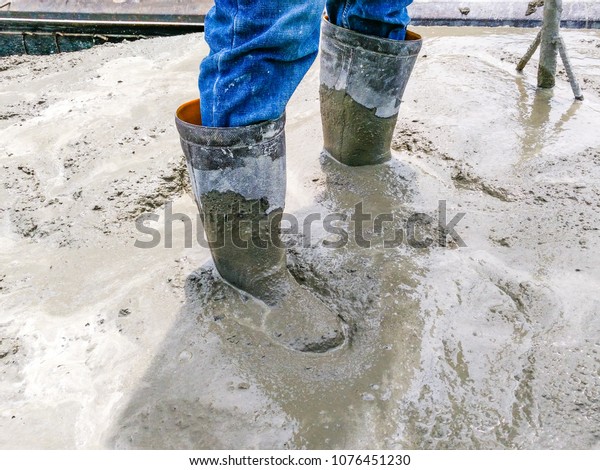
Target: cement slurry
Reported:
[(107, 342)]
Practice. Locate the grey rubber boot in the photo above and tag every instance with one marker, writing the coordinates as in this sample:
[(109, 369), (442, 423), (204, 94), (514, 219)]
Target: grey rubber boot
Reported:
[(238, 178), (362, 82)]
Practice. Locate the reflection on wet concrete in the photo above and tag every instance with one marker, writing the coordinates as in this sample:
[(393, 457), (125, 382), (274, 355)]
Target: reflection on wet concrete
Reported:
[(539, 126)]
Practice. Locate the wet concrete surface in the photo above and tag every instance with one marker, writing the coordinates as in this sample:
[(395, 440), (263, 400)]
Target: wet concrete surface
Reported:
[(495, 344)]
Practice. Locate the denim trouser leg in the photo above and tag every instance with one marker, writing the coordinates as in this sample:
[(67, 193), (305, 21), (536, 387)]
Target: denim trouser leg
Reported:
[(261, 49), (259, 52)]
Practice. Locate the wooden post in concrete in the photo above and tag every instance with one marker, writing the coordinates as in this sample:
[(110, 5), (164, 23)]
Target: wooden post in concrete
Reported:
[(549, 44)]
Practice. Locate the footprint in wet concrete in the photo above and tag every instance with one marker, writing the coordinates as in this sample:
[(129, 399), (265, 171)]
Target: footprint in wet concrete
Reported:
[(464, 178)]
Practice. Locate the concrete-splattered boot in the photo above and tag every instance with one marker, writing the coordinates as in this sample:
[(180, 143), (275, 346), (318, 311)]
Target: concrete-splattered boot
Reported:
[(362, 82), (238, 178)]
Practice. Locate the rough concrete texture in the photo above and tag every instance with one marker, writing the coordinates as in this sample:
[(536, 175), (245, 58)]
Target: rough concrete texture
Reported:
[(492, 345)]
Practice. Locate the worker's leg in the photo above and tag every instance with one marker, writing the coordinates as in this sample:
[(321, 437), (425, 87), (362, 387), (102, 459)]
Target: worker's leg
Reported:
[(259, 52), (383, 18)]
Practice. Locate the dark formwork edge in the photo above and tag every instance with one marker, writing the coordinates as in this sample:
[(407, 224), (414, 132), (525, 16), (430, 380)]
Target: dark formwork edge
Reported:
[(101, 23), (50, 33)]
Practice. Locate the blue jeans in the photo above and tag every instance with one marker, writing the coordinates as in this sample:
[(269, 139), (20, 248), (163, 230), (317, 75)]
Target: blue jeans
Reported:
[(261, 49)]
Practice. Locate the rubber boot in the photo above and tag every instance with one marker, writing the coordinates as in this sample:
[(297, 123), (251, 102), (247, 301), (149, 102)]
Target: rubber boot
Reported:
[(238, 178), (362, 82)]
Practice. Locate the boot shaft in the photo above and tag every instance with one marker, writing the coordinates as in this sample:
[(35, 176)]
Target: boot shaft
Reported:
[(249, 160), (362, 82), (238, 179)]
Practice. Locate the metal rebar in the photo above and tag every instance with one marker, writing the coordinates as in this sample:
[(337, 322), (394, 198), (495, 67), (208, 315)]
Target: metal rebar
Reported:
[(548, 45), (536, 43), (562, 48)]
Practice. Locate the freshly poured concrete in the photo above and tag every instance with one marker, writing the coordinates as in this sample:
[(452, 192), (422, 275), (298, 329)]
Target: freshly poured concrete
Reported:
[(492, 345)]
